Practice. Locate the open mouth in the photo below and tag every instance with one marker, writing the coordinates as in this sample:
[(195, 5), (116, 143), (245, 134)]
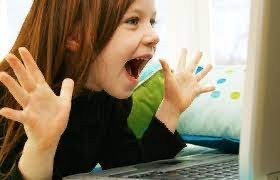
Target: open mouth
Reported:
[(135, 66)]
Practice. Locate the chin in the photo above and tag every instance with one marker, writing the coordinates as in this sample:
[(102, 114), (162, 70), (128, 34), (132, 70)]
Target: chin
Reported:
[(120, 94), (123, 96)]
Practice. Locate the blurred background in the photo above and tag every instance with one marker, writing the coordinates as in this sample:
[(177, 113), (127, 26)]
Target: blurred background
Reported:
[(218, 28)]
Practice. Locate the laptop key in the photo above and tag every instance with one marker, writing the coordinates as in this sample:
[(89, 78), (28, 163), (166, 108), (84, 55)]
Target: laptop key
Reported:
[(221, 170)]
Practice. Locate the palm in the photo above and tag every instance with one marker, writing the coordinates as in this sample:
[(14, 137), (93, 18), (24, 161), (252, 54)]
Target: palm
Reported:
[(44, 114), (47, 113), (182, 90), (182, 87)]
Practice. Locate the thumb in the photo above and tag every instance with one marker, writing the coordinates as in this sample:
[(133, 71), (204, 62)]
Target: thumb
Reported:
[(165, 67), (67, 89)]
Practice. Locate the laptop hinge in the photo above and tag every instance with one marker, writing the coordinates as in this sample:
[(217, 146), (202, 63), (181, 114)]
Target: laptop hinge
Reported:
[(274, 176)]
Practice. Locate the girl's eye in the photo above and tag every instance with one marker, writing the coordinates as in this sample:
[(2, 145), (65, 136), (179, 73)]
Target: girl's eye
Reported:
[(153, 22), (133, 21)]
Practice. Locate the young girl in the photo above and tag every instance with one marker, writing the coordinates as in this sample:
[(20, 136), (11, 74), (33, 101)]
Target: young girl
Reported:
[(102, 46)]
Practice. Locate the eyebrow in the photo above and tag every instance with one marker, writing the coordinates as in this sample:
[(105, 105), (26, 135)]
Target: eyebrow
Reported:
[(139, 11)]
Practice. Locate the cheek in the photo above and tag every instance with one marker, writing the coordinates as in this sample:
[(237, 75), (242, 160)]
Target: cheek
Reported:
[(132, 42), (127, 42)]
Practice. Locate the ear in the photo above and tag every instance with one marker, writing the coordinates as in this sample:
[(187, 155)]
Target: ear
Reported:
[(73, 42)]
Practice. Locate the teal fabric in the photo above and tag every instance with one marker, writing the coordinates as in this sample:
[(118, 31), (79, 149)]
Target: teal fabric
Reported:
[(149, 70)]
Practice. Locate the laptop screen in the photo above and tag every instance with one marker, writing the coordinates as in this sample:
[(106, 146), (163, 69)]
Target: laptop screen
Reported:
[(260, 147)]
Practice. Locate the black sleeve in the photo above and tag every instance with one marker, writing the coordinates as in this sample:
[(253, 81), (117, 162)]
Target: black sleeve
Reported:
[(121, 147), (76, 152), (16, 174)]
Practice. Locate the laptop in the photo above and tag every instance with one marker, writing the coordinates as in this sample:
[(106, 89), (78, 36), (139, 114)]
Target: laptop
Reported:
[(259, 155)]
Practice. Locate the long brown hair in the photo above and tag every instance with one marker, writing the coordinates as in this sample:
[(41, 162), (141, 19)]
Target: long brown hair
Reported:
[(44, 33)]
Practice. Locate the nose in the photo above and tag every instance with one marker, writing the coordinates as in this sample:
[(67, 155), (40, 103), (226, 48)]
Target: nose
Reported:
[(151, 37)]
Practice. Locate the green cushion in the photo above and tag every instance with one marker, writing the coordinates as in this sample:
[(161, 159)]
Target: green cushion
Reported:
[(146, 99)]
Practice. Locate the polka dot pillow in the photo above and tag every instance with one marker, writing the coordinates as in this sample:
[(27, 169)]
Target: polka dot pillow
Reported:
[(213, 119), (216, 114)]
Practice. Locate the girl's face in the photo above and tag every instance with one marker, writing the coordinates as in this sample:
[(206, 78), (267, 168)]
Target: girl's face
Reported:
[(117, 68)]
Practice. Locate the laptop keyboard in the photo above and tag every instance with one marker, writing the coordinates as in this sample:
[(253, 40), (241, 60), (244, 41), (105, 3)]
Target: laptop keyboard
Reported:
[(221, 170)]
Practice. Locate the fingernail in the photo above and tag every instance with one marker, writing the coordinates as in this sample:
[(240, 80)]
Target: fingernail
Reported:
[(21, 49)]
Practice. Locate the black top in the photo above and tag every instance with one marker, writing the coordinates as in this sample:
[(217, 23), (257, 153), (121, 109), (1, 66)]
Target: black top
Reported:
[(97, 132)]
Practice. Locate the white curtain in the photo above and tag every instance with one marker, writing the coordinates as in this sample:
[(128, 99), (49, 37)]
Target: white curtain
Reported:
[(12, 14), (185, 23), (219, 28), (230, 31)]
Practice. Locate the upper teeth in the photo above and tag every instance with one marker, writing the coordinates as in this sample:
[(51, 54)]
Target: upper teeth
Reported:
[(143, 59)]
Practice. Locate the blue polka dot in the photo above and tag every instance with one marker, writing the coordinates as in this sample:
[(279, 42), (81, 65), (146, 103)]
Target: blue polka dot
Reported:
[(221, 81), (198, 69), (215, 94)]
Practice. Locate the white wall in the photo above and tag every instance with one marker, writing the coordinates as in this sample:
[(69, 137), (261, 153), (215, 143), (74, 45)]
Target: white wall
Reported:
[(12, 15)]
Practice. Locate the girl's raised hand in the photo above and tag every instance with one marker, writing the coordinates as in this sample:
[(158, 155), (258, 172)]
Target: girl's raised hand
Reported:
[(44, 114), (183, 86)]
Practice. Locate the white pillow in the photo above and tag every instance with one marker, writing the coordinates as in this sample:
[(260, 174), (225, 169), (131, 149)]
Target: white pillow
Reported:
[(218, 113)]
